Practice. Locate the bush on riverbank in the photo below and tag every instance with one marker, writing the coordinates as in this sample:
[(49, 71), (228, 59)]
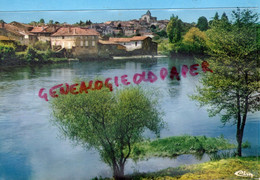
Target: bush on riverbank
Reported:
[(7, 52), (192, 43), (9, 56), (177, 145)]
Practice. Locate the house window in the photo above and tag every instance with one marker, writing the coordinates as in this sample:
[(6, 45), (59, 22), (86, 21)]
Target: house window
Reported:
[(135, 43), (124, 43), (81, 43), (93, 37), (93, 43), (86, 43)]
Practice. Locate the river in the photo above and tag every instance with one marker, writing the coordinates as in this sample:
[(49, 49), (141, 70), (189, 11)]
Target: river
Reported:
[(32, 148)]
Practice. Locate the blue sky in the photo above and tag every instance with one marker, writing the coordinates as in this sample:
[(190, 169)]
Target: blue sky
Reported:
[(105, 10)]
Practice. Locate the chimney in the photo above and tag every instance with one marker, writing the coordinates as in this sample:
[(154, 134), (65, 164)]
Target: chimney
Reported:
[(69, 29), (74, 32)]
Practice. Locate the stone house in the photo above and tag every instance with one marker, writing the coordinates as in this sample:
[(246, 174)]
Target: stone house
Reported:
[(79, 42), (107, 49), (44, 33)]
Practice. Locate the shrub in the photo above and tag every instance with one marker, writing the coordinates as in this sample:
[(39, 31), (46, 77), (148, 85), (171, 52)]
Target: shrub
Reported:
[(6, 52), (41, 46), (31, 55)]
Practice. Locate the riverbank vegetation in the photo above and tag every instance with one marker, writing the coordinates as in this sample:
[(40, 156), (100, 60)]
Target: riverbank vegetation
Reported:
[(178, 145), (233, 90), (12, 53), (191, 38), (221, 169)]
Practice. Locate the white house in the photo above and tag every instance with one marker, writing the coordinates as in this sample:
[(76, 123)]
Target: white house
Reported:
[(131, 44)]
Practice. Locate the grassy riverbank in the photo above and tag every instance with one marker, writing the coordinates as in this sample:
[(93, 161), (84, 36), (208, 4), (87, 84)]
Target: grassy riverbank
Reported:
[(178, 145), (222, 169), (12, 55)]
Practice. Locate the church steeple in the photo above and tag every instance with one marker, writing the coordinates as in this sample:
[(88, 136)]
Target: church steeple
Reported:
[(148, 13)]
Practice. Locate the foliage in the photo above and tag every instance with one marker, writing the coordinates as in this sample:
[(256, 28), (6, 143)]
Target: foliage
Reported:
[(110, 122), (162, 33), (174, 29), (216, 17), (222, 169), (50, 22), (88, 22), (81, 23), (164, 47), (223, 155), (41, 21), (41, 46), (224, 17), (31, 55), (233, 89), (196, 39), (202, 23), (194, 42), (178, 145), (33, 23), (7, 51)]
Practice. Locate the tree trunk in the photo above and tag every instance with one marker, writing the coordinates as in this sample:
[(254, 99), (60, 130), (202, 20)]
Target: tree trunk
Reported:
[(118, 172), (239, 142)]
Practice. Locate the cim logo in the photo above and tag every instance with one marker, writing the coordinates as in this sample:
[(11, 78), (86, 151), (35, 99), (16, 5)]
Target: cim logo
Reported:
[(244, 174)]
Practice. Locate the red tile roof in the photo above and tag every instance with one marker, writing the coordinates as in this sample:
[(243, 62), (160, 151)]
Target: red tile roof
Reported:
[(44, 29), (75, 31), (135, 38), (38, 29)]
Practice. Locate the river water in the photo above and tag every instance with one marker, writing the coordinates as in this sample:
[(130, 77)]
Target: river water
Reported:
[(31, 148)]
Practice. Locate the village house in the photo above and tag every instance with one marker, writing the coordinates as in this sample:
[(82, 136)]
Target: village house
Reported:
[(139, 44), (44, 33), (79, 42), (129, 31), (18, 32), (107, 49)]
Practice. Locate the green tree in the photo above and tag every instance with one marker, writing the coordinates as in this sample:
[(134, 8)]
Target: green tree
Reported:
[(233, 90), (110, 122), (88, 22), (33, 23), (81, 23), (194, 41), (50, 22), (174, 29), (216, 17), (7, 52), (202, 23), (41, 21), (31, 55), (224, 17)]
